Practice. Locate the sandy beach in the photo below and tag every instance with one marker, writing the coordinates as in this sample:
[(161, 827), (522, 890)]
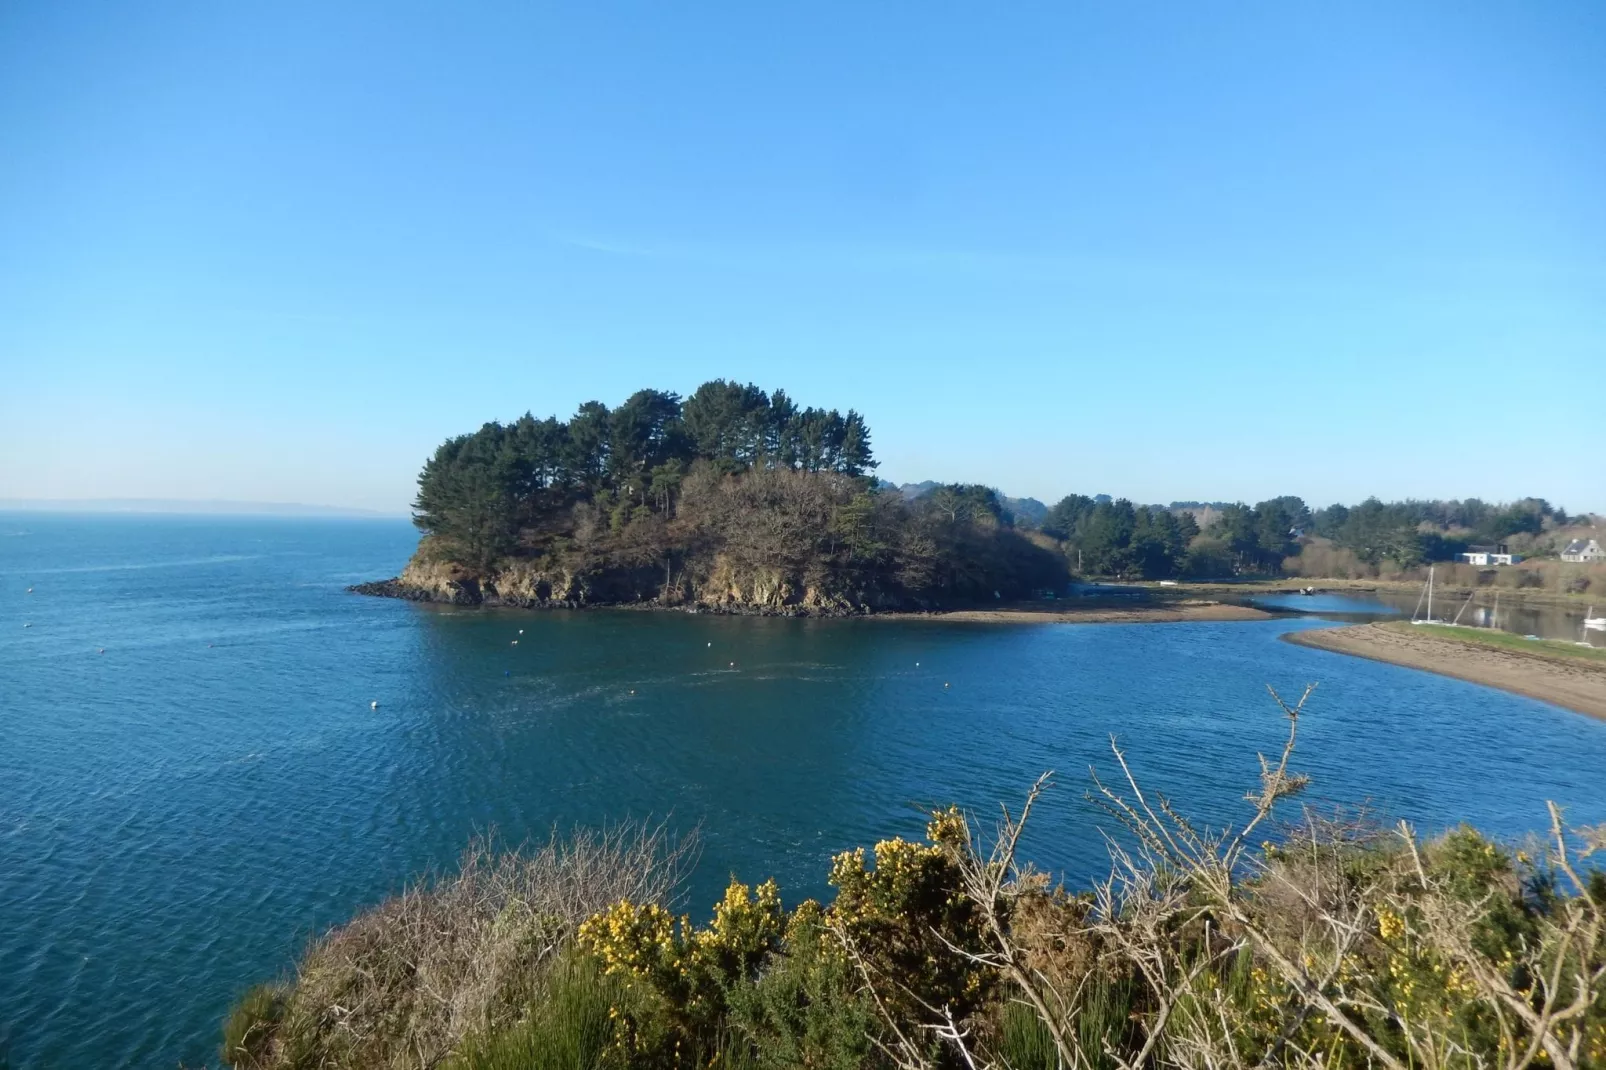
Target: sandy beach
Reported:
[(1047, 613), (1575, 684)]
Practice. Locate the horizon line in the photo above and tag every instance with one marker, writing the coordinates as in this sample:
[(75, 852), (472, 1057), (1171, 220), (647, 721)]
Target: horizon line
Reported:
[(195, 507)]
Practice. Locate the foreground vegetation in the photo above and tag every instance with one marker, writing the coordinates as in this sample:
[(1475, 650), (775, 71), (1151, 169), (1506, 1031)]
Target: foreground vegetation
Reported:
[(1330, 944)]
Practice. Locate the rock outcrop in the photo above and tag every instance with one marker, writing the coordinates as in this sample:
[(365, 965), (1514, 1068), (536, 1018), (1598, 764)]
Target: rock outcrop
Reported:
[(723, 588)]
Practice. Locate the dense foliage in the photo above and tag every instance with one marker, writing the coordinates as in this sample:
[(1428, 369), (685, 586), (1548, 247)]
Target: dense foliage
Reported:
[(733, 495), (1412, 532), (1117, 538), (481, 490)]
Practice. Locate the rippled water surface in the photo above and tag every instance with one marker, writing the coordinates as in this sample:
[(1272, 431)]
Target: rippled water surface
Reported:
[(180, 813)]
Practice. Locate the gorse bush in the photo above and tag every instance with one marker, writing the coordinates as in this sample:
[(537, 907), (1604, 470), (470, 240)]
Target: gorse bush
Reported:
[(1329, 945)]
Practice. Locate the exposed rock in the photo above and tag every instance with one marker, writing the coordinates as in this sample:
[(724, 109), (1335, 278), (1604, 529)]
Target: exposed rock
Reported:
[(525, 584)]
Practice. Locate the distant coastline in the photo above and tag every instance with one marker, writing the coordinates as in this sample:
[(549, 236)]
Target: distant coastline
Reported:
[(185, 507)]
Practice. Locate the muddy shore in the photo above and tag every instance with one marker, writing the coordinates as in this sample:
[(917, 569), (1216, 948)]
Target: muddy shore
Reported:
[(1576, 685)]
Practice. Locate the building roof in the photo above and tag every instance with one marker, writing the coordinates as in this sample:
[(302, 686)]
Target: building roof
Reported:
[(1578, 546)]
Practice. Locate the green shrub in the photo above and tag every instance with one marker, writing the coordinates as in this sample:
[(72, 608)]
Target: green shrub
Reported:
[(804, 1008)]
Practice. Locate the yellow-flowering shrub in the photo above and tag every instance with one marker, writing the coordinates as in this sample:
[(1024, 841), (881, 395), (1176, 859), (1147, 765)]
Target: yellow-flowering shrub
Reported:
[(678, 975), (902, 915)]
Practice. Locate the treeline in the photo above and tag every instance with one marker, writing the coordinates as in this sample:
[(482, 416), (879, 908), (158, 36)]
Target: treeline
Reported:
[(1117, 538), (1411, 533), (1101, 537), (481, 490), (733, 495), (647, 499)]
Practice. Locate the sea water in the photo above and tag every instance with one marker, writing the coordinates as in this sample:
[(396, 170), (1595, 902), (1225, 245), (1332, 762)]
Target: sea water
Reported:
[(194, 780)]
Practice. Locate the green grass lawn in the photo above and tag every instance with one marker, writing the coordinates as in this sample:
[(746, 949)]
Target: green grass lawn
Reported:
[(1547, 648)]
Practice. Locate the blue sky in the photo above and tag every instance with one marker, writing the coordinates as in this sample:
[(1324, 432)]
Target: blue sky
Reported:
[(280, 251)]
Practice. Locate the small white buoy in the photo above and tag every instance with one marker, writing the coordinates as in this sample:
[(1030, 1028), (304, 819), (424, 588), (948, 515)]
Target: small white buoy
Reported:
[(632, 691), (27, 625), (30, 590), (944, 685), (521, 631), (374, 705), (710, 644), (733, 665), (515, 642), (917, 665), (102, 650)]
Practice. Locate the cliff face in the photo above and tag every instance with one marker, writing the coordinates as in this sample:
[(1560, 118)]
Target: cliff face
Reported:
[(719, 586)]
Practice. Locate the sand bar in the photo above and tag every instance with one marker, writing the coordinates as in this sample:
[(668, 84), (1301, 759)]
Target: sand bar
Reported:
[(1576, 684), (1163, 613)]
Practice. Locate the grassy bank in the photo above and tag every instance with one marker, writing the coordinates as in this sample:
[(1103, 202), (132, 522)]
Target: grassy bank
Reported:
[(1556, 649), (1453, 581), (1324, 944)]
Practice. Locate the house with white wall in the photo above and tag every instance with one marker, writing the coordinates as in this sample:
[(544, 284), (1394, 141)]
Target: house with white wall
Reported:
[(1583, 551)]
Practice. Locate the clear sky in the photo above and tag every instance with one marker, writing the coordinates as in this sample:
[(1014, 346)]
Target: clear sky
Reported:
[(1162, 250)]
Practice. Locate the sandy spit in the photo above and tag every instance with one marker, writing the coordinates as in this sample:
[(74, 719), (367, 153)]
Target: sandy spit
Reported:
[(1158, 614), (1578, 686)]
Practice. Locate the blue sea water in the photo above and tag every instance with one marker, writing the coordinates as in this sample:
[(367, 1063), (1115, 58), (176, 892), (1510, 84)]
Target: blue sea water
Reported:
[(181, 812)]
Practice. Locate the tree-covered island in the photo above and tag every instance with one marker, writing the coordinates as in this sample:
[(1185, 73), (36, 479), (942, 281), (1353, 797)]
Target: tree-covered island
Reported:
[(733, 498)]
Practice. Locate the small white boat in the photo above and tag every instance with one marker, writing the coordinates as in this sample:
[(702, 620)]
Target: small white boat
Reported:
[(1593, 622)]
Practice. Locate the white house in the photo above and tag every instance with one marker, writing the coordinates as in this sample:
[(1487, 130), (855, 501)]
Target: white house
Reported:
[(1583, 551), (1489, 557)]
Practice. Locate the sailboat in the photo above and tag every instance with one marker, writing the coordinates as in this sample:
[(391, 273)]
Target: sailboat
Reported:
[(1427, 592), (1593, 622)]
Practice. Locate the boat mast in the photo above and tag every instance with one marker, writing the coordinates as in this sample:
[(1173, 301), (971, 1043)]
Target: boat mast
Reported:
[(1430, 594)]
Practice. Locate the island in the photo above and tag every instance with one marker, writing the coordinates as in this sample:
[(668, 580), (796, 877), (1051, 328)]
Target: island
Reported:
[(733, 500)]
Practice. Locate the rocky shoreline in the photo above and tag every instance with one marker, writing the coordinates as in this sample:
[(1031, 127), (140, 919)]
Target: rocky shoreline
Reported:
[(471, 593)]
